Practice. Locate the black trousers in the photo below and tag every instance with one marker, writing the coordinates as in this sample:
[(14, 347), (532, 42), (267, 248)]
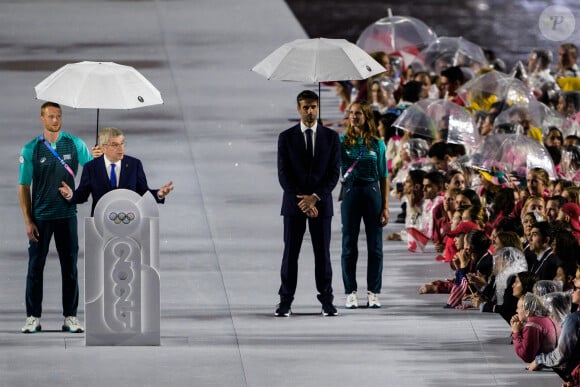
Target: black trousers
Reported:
[(294, 230), (66, 241)]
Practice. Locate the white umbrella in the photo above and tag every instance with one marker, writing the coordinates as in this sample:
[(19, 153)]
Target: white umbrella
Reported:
[(318, 60), (98, 85)]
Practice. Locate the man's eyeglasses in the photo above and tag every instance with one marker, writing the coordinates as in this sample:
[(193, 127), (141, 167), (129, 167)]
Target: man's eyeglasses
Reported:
[(117, 145)]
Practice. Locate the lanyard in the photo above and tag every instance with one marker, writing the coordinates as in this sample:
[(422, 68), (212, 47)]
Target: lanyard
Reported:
[(65, 165), (349, 170)]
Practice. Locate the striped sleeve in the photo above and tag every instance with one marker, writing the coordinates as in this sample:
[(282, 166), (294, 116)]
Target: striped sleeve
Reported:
[(82, 150)]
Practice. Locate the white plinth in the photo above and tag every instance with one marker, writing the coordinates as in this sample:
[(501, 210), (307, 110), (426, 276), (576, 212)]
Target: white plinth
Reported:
[(122, 271)]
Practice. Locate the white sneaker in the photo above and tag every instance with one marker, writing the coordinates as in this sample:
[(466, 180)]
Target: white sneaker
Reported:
[(351, 301), (72, 324), (32, 325), (373, 300)]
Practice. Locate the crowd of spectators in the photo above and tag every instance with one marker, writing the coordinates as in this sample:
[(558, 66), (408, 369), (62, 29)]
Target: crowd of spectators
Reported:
[(511, 236)]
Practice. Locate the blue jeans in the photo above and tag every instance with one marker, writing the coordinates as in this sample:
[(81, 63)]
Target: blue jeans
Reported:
[(362, 201), (67, 246)]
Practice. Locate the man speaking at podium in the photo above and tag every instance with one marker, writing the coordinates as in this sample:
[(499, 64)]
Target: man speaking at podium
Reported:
[(111, 171)]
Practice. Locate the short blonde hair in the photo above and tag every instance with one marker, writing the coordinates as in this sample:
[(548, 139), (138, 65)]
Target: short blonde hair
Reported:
[(107, 133)]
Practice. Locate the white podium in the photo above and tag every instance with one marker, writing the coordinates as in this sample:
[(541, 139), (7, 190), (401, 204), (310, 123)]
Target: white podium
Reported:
[(122, 298)]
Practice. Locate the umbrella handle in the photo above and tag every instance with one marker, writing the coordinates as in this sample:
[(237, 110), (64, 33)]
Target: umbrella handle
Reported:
[(97, 134), (319, 105)]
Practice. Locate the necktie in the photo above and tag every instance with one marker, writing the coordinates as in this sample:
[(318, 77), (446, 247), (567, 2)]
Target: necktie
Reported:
[(309, 146), (113, 176)]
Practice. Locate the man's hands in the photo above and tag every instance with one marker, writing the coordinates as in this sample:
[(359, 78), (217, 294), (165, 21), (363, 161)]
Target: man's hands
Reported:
[(307, 205), (533, 366), (96, 151), (32, 232), (65, 190), (164, 191)]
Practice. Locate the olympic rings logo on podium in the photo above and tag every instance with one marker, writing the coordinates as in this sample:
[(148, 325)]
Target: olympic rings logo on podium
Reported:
[(121, 217)]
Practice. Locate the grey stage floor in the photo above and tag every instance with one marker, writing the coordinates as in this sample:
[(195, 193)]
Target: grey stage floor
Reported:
[(215, 137)]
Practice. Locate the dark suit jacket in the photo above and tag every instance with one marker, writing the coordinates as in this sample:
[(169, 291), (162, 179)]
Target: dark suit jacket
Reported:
[(95, 180), (297, 178)]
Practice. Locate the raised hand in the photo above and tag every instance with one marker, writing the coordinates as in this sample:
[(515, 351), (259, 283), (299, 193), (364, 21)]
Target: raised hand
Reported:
[(165, 190), (65, 190)]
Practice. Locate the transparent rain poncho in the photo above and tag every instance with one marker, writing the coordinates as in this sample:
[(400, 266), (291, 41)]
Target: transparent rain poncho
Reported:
[(507, 262), (533, 305), (543, 287), (558, 305), (570, 163)]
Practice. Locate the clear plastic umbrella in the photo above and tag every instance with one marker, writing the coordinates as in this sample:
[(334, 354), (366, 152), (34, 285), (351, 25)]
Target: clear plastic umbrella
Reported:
[(513, 154), (571, 126), (543, 287), (538, 114), (417, 149), (402, 36), (485, 90), (440, 119), (447, 51)]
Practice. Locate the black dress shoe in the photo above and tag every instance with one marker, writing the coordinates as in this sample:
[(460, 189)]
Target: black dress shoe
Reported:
[(329, 310), (283, 310)]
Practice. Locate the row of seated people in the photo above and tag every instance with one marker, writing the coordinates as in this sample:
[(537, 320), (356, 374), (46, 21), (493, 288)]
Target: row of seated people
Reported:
[(497, 258)]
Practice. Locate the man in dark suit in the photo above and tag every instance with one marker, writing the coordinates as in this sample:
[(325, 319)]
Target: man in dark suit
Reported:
[(308, 170), (112, 170)]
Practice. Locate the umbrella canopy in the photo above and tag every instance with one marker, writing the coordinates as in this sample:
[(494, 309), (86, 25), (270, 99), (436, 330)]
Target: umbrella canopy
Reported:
[(535, 113), (571, 126), (318, 60), (441, 120), (512, 154), (446, 52), (483, 91), (98, 85), (402, 36)]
